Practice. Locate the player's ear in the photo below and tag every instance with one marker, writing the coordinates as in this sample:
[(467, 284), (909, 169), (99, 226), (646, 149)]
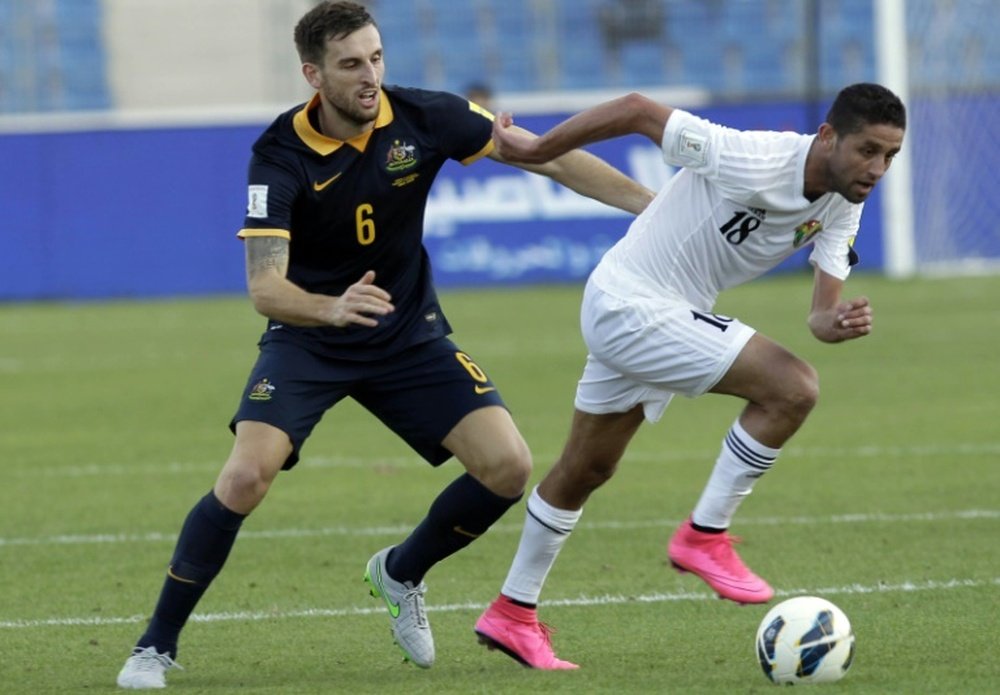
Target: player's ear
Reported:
[(312, 74), (827, 135)]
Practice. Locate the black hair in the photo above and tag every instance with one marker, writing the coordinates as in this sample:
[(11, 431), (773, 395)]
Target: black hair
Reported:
[(865, 104), (328, 20)]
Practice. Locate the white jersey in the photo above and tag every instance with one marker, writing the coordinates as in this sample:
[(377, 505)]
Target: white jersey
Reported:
[(733, 212)]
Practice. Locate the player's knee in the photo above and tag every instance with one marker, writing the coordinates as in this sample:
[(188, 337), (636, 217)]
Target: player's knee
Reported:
[(242, 487), (516, 469), (587, 472), (801, 393), (504, 472)]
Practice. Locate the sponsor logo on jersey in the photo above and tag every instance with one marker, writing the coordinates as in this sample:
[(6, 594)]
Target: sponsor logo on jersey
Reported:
[(806, 231), (401, 156), (261, 391)]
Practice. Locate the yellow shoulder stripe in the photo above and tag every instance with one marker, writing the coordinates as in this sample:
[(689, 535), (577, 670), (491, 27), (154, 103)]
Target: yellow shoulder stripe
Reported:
[(485, 151)]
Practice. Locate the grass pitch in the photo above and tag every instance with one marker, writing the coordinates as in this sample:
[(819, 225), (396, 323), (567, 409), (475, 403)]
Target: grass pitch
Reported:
[(114, 422)]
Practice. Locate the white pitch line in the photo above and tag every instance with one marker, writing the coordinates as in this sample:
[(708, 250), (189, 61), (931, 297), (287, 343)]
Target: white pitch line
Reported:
[(793, 452), (580, 601), (611, 525)]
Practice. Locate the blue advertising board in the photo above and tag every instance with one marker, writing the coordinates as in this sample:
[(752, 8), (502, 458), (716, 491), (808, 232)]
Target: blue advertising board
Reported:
[(140, 212)]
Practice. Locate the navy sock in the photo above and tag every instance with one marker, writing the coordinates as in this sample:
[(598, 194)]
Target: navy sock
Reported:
[(461, 513), (204, 543), (522, 604), (706, 529)]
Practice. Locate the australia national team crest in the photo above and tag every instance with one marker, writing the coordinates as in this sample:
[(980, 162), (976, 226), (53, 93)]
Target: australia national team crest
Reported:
[(261, 391), (806, 231), (401, 156)]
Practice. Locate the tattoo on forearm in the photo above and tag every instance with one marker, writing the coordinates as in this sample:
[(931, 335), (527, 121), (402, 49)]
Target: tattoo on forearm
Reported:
[(266, 253)]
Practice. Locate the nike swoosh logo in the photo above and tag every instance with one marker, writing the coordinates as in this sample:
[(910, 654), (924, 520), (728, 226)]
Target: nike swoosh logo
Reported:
[(170, 573), (320, 185), (393, 607), (463, 532), (484, 389)]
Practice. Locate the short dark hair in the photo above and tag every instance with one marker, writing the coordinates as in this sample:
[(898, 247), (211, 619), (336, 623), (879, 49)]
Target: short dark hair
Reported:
[(865, 104), (328, 20)]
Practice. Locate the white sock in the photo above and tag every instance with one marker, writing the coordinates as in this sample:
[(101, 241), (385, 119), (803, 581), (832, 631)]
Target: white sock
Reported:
[(545, 530), (742, 461)]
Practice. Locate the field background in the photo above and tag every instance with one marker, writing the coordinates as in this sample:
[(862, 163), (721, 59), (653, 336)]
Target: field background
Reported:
[(112, 423)]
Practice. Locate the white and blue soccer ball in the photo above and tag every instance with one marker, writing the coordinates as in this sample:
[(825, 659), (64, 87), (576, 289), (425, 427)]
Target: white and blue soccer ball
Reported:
[(805, 639)]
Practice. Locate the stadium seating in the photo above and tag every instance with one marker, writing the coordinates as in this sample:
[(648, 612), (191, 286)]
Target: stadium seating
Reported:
[(52, 55)]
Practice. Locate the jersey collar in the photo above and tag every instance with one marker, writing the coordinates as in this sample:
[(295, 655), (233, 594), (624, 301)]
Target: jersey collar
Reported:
[(324, 145)]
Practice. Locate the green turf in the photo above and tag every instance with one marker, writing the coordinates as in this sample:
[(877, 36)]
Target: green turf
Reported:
[(113, 423)]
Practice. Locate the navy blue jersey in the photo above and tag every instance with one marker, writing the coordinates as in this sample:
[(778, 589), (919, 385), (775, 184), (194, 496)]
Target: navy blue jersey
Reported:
[(357, 205)]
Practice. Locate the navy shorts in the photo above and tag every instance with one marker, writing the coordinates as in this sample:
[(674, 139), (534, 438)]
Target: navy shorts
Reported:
[(420, 394)]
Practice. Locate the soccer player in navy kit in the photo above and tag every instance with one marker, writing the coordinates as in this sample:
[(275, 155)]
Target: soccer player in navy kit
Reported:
[(335, 261)]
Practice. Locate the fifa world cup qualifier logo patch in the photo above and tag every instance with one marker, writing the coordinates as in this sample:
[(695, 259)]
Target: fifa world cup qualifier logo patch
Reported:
[(806, 231), (261, 391), (401, 156)]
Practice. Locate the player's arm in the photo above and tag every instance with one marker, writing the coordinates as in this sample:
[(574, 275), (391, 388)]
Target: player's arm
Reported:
[(276, 297), (557, 156), (591, 176), (627, 115), (832, 320)]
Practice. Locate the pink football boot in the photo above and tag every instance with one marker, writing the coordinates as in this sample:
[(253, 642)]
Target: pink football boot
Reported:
[(711, 557), (515, 631)]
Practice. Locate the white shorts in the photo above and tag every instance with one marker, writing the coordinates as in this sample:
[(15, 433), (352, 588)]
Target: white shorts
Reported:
[(644, 350)]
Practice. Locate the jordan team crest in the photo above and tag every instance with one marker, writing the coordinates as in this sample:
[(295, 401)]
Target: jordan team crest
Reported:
[(806, 231)]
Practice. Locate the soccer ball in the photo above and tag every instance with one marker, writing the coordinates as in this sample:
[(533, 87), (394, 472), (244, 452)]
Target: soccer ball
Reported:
[(805, 639)]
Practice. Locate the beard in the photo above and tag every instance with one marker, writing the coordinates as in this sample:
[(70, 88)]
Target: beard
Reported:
[(352, 112)]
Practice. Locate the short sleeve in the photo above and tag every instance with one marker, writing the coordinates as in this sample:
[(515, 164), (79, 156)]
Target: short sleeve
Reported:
[(756, 167), (832, 252), (464, 129), (271, 192), (687, 142)]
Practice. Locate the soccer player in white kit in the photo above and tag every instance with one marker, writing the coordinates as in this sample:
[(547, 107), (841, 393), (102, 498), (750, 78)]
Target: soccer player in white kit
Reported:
[(742, 202)]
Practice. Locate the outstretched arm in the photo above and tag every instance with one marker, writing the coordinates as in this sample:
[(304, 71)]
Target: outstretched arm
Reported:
[(832, 320), (632, 113), (557, 156), (278, 298), (590, 176)]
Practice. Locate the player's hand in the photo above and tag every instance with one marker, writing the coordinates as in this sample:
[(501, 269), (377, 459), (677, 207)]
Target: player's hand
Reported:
[(360, 303), (513, 144), (846, 321)]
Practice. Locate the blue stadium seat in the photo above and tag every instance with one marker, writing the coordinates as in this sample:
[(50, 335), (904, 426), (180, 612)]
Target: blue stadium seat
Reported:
[(78, 18), (642, 63), (784, 21), (516, 74), (514, 57), (510, 16), (65, 45), (742, 22), (583, 63), (464, 60), (735, 47)]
